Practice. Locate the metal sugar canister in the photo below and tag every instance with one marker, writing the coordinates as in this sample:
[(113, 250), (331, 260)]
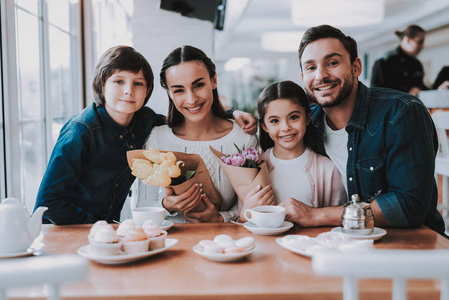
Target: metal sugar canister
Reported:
[(357, 217)]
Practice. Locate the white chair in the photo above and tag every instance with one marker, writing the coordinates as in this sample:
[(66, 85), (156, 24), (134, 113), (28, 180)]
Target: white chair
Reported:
[(441, 120), (51, 270), (399, 265)]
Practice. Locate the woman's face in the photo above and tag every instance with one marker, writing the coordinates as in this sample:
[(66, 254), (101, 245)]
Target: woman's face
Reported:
[(190, 88), (413, 46)]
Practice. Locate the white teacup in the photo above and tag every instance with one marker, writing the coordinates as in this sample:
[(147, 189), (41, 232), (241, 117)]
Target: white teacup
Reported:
[(142, 214), (267, 216)]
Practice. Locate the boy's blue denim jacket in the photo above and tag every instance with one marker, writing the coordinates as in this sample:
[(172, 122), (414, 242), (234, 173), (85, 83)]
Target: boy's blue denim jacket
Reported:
[(88, 177), (392, 143)]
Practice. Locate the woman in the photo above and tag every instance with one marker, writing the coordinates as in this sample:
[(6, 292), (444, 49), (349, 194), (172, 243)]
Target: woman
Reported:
[(196, 120), (400, 69)]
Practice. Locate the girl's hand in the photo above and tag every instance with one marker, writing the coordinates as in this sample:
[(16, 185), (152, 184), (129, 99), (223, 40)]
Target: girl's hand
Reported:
[(183, 202), (257, 197), (211, 213), (246, 121)]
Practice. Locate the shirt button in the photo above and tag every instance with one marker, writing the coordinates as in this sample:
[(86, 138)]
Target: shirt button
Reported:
[(350, 178), (116, 184), (371, 168), (350, 148), (405, 73), (132, 147)]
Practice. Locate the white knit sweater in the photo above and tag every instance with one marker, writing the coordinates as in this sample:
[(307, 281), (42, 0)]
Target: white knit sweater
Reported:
[(162, 138)]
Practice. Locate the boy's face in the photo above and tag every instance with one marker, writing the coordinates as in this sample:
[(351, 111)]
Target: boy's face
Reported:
[(328, 74), (124, 93)]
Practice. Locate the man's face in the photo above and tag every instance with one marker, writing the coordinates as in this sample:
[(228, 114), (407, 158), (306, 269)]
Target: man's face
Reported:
[(327, 72)]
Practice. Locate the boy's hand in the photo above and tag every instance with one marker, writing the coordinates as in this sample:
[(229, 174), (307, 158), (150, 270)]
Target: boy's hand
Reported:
[(246, 121)]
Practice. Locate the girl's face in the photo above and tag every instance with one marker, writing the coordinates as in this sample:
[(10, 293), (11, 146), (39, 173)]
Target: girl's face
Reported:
[(285, 122), (124, 94), (190, 88)]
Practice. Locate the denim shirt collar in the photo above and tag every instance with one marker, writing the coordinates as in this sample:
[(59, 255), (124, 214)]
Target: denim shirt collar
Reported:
[(360, 113), (111, 124)]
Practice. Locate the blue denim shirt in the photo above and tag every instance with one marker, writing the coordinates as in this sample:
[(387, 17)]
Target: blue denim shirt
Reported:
[(392, 143), (88, 177)]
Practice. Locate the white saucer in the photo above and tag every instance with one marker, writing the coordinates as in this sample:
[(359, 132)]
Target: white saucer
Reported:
[(377, 234), (27, 252), (268, 231), (124, 258), (223, 257), (166, 225), (301, 251)]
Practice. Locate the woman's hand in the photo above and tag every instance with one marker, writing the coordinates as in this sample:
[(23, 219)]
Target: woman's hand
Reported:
[(211, 213), (184, 202), (257, 197), (246, 121), (444, 85)]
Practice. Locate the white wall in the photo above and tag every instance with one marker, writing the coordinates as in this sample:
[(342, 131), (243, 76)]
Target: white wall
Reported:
[(157, 32)]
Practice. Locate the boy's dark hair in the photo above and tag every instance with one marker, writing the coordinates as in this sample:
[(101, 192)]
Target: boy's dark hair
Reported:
[(284, 90), (326, 31), (123, 58), (411, 31), (177, 56)]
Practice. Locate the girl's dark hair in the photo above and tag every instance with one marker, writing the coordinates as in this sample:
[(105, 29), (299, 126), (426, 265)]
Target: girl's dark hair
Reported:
[(411, 31), (284, 90), (326, 31), (123, 58), (177, 56)]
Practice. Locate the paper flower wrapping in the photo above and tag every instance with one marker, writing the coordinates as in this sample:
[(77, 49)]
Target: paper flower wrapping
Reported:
[(168, 171)]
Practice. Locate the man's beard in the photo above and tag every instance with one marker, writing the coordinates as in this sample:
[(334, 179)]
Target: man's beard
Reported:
[(343, 94)]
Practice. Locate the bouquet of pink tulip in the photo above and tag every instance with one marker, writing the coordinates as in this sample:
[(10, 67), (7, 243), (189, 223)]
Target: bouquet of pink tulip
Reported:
[(247, 158), (243, 169)]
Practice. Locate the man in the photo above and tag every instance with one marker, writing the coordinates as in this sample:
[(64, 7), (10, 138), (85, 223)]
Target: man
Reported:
[(379, 139)]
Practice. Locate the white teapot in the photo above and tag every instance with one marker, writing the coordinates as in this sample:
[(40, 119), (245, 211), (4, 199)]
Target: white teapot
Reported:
[(17, 229)]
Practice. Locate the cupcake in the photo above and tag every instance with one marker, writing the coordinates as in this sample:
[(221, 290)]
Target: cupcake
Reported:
[(95, 228), (125, 226), (155, 234), (105, 242), (135, 241)]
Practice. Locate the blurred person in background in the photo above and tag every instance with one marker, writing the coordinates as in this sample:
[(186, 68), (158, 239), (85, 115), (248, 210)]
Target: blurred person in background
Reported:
[(442, 81), (399, 69)]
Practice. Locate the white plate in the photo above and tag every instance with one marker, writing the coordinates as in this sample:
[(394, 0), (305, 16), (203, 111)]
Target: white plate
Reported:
[(28, 252), (124, 258), (296, 250), (223, 257), (166, 225), (377, 234), (268, 231)]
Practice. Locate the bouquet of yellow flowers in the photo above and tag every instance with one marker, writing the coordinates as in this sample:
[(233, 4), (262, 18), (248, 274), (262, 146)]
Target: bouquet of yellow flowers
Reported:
[(162, 168)]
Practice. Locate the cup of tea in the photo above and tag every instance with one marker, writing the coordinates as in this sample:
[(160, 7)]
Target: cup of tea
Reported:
[(142, 214), (267, 216)]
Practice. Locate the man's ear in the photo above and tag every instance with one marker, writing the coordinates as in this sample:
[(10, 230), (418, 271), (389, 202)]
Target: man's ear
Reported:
[(357, 67)]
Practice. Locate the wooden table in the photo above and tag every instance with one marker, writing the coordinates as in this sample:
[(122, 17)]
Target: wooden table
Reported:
[(271, 272)]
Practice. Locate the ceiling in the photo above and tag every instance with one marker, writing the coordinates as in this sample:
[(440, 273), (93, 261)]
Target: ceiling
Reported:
[(246, 20)]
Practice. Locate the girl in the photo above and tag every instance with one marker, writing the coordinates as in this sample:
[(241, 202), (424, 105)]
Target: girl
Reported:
[(88, 178), (297, 172), (196, 120)]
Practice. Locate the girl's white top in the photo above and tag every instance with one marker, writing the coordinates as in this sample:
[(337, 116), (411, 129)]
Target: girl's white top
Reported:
[(286, 173), (162, 138)]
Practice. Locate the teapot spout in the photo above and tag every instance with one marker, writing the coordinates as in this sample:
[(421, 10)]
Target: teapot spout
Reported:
[(35, 222)]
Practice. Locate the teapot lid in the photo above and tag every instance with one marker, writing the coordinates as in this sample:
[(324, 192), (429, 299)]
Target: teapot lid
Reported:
[(357, 209)]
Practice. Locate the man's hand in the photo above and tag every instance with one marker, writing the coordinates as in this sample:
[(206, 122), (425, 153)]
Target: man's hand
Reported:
[(306, 216), (246, 121)]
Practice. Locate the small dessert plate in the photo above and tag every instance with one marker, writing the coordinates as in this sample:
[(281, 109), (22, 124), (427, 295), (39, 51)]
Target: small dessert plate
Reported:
[(167, 224), (268, 231), (27, 252), (301, 251), (223, 257), (377, 234), (123, 258)]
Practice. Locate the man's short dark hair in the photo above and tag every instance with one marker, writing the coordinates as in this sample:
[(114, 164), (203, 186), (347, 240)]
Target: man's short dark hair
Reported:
[(326, 31)]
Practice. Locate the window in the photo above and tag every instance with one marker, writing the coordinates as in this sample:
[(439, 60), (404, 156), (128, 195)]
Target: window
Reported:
[(47, 77)]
